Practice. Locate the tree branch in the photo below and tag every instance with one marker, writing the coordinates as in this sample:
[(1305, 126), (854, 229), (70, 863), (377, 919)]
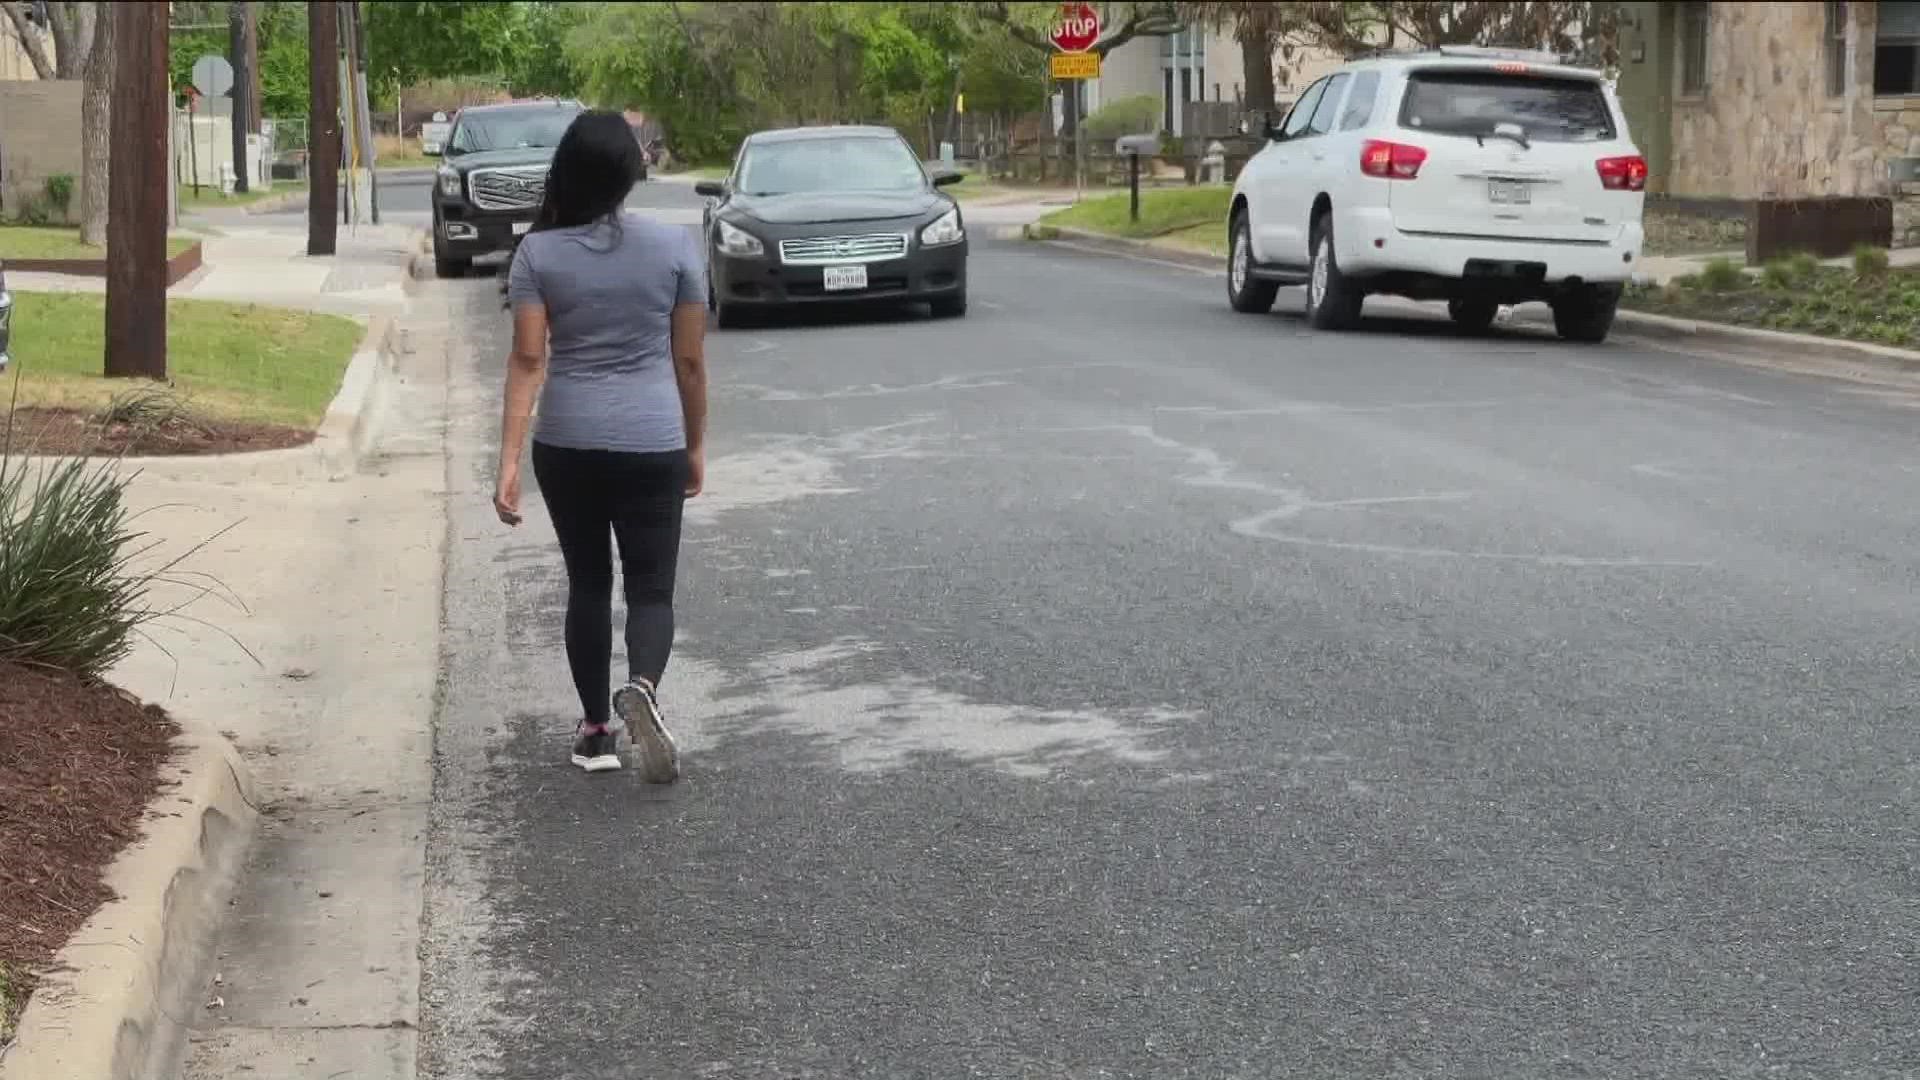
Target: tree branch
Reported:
[(29, 36)]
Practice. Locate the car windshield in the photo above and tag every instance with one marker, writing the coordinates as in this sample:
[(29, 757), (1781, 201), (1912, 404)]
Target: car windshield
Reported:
[(856, 163), (509, 130), (1475, 102)]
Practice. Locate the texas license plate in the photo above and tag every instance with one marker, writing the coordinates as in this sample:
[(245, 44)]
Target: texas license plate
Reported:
[(1509, 192), (520, 227), (841, 278)]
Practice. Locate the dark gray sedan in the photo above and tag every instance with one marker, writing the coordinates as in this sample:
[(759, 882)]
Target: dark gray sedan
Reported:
[(830, 215)]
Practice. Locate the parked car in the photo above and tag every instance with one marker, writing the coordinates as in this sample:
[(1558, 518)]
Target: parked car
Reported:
[(492, 177), (832, 214), (6, 320), (1482, 177)]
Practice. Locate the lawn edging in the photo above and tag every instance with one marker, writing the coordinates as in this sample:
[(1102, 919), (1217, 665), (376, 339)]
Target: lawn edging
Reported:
[(178, 267), (119, 1000)]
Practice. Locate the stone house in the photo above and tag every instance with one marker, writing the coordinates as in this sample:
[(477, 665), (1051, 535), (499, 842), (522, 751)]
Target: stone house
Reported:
[(1816, 104)]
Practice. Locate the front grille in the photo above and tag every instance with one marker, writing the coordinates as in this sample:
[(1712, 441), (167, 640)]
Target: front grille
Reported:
[(836, 250), (507, 189)]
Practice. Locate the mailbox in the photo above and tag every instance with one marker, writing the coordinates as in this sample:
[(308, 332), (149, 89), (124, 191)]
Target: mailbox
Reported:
[(1137, 144)]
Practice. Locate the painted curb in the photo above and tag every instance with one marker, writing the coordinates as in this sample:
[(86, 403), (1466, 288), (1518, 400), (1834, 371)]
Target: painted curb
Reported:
[(1880, 357), (123, 993)]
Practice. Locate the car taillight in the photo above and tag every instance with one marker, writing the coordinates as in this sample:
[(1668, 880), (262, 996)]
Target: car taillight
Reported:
[(1391, 160), (1623, 173)]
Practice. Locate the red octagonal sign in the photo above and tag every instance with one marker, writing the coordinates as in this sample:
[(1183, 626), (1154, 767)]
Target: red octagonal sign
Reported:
[(1076, 28)]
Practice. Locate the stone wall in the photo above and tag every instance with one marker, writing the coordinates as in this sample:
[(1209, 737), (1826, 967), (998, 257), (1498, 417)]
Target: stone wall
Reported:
[(39, 137), (1766, 126)]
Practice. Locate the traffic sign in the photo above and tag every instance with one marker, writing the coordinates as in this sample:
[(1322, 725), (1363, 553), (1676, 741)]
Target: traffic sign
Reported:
[(1076, 65), (1075, 29), (212, 75)]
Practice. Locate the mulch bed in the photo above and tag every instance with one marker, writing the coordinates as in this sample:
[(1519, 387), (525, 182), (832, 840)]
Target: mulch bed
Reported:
[(78, 766), (70, 431)]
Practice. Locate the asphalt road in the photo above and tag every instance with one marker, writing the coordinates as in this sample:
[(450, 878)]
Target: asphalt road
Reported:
[(1110, 685)]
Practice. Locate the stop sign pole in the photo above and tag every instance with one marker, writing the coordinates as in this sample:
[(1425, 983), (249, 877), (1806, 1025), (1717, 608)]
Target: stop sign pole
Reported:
[(1075, 30)]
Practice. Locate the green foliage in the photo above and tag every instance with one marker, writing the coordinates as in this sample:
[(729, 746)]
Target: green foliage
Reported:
[(1779, 274), (284, 79), (1804, 264), (60, 192), (1722, 275), (1870, 261), (1127, 116), (1001, 78), (410, 40), (540, 65)]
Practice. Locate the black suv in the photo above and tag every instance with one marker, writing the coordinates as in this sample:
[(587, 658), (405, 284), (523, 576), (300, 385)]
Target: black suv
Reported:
[(489, 186)]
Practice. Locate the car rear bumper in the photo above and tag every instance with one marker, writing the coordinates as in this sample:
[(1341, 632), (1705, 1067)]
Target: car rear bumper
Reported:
[(923, 274), (1369, 244)]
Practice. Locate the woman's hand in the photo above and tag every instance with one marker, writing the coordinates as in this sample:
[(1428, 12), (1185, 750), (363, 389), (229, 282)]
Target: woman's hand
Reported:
[(696, 471), (506, 495)]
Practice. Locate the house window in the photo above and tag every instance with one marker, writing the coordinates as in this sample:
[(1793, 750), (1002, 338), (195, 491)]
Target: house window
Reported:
[(1896, 49), (1693, 48), (1836, 42)]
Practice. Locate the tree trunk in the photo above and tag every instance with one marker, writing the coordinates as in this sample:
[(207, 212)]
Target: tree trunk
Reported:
[(96, 111), (28, 35), (1256, 58), (137, 273)]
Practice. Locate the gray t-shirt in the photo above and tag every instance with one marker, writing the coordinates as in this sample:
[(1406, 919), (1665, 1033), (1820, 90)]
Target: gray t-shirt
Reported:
[(609, 298)]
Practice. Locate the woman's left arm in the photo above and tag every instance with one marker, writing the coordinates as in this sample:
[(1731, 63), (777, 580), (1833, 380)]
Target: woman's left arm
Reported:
[(526, 371)]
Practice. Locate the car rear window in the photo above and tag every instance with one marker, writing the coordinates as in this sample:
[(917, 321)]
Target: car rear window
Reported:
[(1471, 103)]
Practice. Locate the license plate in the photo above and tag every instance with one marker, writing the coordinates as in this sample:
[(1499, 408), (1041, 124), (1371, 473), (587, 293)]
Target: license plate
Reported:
[(520, 227), (840, 278), (1509, 192)]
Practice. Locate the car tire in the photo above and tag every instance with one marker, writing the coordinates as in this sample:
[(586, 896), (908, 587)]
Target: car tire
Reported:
[(1246, 293), (451, 268), (1473, 316), (1333, 300), (1586, 315), (729, 316), (949, 307)]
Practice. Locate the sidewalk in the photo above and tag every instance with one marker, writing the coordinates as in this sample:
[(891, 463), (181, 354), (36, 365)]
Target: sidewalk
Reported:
[(263, 262), (316, 653)]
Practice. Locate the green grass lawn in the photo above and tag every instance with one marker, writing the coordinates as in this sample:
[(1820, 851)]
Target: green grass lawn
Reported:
[(63, 242), (1872, 303), (210, 197), (1162, 211), (236, 361), (1208, 236)]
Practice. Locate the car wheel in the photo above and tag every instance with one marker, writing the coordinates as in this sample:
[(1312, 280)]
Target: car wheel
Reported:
[(1333, 301), (451, 268), (1586, 315), (950, 307), (1245, 292), (1473, 316), (729, 316)]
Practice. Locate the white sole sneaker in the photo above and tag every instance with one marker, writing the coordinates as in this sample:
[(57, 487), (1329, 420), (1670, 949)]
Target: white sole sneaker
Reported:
[(659, 757), (598, 763)]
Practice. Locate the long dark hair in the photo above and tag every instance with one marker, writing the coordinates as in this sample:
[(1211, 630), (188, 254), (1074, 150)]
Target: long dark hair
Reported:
[(594, 168)]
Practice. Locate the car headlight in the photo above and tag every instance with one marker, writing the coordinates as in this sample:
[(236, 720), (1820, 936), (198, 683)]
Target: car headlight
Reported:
[(450, 183), (738, 241), (945, 230)]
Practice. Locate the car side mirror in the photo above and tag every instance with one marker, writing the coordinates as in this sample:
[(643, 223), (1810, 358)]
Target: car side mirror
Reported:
[(712, 189), (947, 177)]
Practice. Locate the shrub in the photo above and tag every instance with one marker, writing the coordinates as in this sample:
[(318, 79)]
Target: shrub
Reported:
[(1722, 275), (1804, 265), (1125, 116), (1779, 274), (60, 193), (71, 594), (1869, 261)]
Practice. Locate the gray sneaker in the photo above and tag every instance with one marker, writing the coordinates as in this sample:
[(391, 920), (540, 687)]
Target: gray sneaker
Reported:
[(638, 708)]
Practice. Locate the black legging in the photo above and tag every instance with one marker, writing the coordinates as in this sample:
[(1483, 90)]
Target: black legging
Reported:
[(637, 498)]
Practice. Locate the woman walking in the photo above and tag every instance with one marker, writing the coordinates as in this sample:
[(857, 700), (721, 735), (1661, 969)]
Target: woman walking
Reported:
[(609, 316)]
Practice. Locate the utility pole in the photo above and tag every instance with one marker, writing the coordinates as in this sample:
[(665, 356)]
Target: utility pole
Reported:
[(323, 126), (138, 186), (242, 89), (366, 107)]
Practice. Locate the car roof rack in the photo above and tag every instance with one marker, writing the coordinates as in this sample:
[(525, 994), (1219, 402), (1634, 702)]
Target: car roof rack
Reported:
[(1464, 52)]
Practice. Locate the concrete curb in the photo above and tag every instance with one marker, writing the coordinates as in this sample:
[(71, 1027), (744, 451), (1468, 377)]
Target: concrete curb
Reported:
[(124, 991), (1120, 245), (1877, 357)]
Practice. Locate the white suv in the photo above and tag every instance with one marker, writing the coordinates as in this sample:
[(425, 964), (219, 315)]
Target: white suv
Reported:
[(1477, 176)]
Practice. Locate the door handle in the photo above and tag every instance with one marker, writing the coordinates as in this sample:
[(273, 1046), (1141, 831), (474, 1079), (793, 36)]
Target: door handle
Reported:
[(1319, 155)]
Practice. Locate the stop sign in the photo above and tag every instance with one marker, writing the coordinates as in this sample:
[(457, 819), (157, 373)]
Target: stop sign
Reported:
[(1076, 28)]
